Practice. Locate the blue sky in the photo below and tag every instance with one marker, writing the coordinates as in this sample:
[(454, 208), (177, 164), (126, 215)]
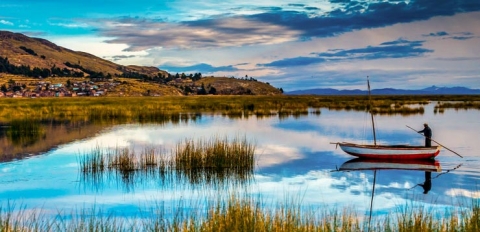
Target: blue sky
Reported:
[(290, 44)]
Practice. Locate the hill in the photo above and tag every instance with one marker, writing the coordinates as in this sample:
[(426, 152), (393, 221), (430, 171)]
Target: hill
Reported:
[(23, 58), (233, 86), (43, 54), (433, 90)]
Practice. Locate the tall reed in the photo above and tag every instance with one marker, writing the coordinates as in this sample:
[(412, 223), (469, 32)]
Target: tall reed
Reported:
[(240, 214), (215, 153), (215, 161)]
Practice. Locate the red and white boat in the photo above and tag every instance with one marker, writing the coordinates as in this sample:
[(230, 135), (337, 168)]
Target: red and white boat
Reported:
[(390, 151)]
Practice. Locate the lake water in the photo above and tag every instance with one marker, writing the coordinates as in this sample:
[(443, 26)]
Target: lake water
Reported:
[(294, 160)]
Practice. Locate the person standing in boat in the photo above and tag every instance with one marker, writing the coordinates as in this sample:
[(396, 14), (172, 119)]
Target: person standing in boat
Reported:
[(428, 135)]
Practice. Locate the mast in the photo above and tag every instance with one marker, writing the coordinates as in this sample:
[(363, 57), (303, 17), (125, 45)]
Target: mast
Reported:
[(375, 143), (370, 110)]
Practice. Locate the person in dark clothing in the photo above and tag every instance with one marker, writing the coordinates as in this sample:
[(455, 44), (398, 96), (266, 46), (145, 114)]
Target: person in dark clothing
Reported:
[(428, 135), (427, 185)]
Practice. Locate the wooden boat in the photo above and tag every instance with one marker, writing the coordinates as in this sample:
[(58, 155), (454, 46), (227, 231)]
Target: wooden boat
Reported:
[(359, 164), (391, 152)]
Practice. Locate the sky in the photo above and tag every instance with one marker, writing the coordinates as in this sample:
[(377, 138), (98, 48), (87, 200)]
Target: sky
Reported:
[(292, 44)]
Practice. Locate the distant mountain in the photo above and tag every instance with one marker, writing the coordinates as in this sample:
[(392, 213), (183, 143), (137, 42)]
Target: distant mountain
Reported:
[(433, 90)]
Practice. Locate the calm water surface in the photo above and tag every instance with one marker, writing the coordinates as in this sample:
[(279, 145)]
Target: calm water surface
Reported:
[(294, 160)]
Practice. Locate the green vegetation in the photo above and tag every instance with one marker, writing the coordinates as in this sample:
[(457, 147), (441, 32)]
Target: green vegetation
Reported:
[(242, 214), (150, 108)]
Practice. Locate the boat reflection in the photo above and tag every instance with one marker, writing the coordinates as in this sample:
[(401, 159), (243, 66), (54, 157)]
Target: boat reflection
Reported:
[(428, 166), (358, 164)]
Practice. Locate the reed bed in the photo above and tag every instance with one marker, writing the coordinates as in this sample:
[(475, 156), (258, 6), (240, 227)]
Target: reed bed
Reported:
[(402, 110), (216, 161), (465, 105), (242, 214), (215, 153), (157, 108)]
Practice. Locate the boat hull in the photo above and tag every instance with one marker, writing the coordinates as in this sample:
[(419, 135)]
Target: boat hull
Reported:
[(390, 152)]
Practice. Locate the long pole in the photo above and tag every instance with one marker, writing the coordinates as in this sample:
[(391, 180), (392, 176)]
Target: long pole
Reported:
[(436, 142)]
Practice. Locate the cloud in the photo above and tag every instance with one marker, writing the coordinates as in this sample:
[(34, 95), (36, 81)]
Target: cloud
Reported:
[(5, 22), (272, 25), (462, 37), (202, 68), (296, 61), (361, 15), (143, 34), (437, 34), (392, 49), (455, 36), (296, 5), (71, 25), (121, 57)]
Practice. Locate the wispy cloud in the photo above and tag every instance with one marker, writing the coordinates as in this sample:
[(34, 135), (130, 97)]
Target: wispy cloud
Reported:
[(455, 36), (202, 68), (392, 49), (143, 33), (463, 36), (71, 25), (5, 22), (436, 34), (120, 57)]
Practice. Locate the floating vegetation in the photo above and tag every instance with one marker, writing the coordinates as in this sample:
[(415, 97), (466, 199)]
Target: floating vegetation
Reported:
[(464, 105), (242, 214), (402, 110), (215, 161)]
